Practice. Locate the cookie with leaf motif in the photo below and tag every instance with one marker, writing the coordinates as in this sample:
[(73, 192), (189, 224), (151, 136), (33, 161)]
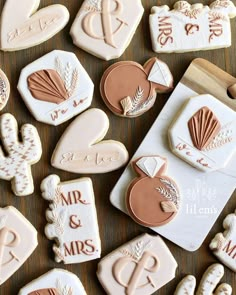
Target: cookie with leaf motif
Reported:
[(55, 282), (4, 90), (153, 198), (129, 89), (56, 87)]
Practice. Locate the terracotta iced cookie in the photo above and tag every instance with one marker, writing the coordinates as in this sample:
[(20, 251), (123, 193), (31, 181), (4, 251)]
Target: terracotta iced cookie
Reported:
[(224, 244), (208, 284), (105, 28), (191, 27), (72, 219), (129, 89), (16, 165), (82, 149), (204, 133), (18, 240), (139, 267), (54, 282), (56, 87), (4, 90), (152, 198), (28, 27)]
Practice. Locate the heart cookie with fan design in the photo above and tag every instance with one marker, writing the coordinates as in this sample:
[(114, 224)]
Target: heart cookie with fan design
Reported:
[(29, 27), (81, 148)]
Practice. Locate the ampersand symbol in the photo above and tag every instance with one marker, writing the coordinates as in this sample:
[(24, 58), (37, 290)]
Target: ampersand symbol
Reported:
[(106, 20), (75, 222), (191, 29)]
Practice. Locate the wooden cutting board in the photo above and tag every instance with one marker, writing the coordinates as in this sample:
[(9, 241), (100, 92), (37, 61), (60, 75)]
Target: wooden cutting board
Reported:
[(203, 195)]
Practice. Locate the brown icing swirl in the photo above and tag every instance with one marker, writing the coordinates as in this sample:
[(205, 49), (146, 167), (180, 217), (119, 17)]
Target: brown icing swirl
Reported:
[(47, 85), (44, 292)]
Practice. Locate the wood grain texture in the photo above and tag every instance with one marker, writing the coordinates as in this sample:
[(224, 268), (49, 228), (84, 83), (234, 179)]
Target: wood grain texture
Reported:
[(115, 227)]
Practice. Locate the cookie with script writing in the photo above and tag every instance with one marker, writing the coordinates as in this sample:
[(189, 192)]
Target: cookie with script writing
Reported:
[(56, 87), (82, 149), (191, 27), (72, 219), (208, 284), (4, 90), (105, 28), (55, 282), (129, 89), (29, 27), (15, 166), (204, 133), (140, 267), (224, 244), (18, 240), (152, 199)]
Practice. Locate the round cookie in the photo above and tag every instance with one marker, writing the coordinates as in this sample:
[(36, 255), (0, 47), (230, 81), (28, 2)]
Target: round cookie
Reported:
[(153, 198), (4, 90), (129, 89)]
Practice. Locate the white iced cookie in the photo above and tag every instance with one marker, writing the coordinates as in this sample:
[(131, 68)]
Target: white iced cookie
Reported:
[(105, 28), (204, 133), (82, 149), (191, 27), (224, 244), (56, 87), (22, 26), (55, 282), (16, 165), (208, 283), (18, 240), (140, 267), (72, 219), (4, 90)]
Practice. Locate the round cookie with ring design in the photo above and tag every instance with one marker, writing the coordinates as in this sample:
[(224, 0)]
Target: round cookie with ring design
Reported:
[(153, 198), (129, 89), (4, 90)]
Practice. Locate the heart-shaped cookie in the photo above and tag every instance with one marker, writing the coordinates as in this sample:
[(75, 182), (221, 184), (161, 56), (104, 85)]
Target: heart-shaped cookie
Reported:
[(81, 149), (24, 27)]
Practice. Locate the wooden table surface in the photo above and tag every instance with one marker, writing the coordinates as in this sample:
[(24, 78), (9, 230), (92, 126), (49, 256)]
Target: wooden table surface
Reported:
[(115, 227)]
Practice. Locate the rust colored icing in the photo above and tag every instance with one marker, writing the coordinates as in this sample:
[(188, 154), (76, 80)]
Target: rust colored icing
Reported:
[(44, 292), (48, 86), (146, 195), (203, 127), (129, 79)]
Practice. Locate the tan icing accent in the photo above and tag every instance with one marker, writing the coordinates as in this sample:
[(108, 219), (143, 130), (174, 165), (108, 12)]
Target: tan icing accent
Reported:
[(44, 292), (142, 265), (124, 80), (191, 29), (146, 197), (9, 238), (203, 127), (91, 154), (105, 14), (47, 85)]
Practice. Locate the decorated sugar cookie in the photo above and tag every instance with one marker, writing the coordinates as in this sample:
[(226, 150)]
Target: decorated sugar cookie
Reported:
[(72, 219), (105, 28), (56, 87), (55, 282), (18, 240), (82, 149), (29, 27), (208, 284), (16, 165), (191, 27), (129, 89), (204, 133), (139, 267), (153, 198), (224, 244), (4, 90)]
